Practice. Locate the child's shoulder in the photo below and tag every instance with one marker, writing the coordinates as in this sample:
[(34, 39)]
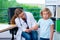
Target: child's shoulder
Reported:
[(40, 19), (50, 19)]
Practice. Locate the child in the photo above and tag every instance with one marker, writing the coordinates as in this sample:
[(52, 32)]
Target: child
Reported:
[(46, 25)]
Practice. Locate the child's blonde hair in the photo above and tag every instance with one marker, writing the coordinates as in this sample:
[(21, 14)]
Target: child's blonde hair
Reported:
[(47, 10)]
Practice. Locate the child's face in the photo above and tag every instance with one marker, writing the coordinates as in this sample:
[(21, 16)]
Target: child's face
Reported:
[(45, 15)]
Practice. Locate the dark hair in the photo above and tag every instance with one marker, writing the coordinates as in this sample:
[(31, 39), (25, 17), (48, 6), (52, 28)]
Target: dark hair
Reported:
[(16, 13)]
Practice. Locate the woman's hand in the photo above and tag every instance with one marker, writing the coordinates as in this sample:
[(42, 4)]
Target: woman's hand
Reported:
[(28, 30)]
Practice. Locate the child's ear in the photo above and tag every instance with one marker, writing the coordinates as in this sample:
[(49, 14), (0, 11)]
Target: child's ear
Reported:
[(50, 15)]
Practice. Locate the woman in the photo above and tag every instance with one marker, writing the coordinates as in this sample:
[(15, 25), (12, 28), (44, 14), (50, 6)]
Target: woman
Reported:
[(26, 24)]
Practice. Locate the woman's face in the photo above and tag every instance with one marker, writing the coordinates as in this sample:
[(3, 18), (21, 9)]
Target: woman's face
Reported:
[(45, 15), (22, 15)]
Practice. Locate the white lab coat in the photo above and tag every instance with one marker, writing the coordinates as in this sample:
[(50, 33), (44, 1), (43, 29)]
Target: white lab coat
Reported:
[(22, 25)]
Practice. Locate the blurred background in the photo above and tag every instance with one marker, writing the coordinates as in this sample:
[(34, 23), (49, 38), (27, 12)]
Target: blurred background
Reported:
[(6, 4), (33, 6)]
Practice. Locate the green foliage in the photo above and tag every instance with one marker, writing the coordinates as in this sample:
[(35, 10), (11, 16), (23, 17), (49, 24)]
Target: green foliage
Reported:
[(5, 4)]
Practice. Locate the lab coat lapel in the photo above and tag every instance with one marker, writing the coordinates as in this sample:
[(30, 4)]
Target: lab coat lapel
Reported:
[(23, 22), (28, 20)]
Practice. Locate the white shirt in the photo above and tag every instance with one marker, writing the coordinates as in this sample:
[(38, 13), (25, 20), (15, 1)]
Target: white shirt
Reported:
[(22, 24), (45, 27)]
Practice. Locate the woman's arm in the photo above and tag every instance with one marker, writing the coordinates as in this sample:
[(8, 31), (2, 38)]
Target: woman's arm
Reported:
[(34, 27), (33, 22), (51, 32), (19, 25)]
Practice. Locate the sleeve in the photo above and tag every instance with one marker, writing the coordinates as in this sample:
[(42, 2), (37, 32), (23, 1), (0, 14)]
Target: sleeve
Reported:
[(33, 21), (19, 25), (39, 23), (51, 22)]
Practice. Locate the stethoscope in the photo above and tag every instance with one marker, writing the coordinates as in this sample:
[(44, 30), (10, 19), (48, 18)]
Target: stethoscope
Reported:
[(25, 22)]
